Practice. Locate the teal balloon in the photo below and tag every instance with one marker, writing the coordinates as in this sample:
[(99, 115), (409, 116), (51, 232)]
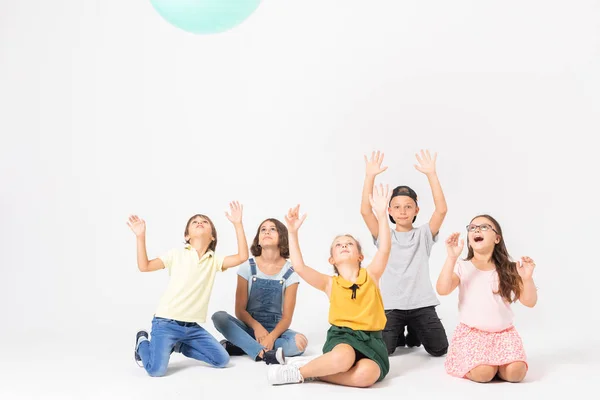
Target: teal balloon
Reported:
[(205, 16)]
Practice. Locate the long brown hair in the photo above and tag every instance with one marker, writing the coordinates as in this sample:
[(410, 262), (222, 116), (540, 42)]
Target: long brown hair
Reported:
[(283, 241), (358, 246), (510, 283), (213, 245)]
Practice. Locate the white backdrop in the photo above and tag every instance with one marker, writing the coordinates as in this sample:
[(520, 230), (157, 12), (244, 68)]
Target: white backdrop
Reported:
[(108, 110)]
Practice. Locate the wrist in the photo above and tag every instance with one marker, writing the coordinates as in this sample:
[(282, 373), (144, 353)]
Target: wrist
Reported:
[(141, 237)]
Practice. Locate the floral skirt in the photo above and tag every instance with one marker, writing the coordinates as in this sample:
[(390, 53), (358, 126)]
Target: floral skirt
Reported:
[(471, 347)]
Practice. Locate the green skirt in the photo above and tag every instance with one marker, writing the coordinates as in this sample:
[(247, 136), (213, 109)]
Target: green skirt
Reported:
[(368, 343)]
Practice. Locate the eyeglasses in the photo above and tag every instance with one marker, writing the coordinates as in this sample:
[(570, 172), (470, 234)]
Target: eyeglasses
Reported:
[(482, 228)]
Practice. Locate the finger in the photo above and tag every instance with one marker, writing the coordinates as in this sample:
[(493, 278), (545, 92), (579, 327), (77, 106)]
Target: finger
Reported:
[(303, 218), (435, 157), (366, 159), (419, 159), (462, 242), (428, 154), (372, 156), (381, 159)]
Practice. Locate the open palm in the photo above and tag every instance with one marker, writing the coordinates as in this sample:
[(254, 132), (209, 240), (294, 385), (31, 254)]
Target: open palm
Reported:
[(426, 162), (453, 246), (235, 212), (293, 219), (137, 225)]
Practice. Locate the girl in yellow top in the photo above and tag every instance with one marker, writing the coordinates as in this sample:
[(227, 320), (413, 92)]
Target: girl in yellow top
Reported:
[(354, 353)]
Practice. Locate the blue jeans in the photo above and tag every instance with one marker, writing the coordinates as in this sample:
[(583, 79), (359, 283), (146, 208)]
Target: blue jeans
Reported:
[(243, 337), (196, 343)]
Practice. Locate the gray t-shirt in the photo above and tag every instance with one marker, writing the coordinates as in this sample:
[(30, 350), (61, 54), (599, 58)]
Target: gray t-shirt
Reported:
[(405, 283)]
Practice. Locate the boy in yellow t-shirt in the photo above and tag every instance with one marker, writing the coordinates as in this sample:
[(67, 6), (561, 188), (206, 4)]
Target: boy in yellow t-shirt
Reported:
[(183, 306)]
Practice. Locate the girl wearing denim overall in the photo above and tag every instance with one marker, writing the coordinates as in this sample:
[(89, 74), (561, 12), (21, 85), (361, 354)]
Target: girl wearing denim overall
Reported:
[(265, 301)]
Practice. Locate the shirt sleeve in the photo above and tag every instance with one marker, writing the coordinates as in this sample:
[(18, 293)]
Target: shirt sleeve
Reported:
[(294, 278), (218, 262), (430, 240), (167, 259), (244, 270), (458, 268), (376, 240)]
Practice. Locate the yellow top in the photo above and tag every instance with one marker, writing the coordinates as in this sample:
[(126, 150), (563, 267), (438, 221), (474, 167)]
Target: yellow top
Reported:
[(358, 305), (188, 293)]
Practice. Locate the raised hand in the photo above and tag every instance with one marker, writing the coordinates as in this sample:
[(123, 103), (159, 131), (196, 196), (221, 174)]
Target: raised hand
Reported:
[(293, 219), (137, 225), (426, 162), (453, 246), (373, 166), (525, 268), (380, 199), (235, 214)]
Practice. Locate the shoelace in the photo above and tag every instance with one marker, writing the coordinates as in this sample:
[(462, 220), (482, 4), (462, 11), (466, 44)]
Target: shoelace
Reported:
[(292, 375)]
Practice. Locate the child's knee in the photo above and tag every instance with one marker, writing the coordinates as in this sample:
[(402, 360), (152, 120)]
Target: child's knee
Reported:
[(365, 375), (301, 342), (157, 371), (483, 373), (221, 359), (437, 351), (220, 318), (515, 372)]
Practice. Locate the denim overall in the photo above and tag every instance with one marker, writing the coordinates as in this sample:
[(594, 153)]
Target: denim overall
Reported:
[(265, 305), (265, 300)]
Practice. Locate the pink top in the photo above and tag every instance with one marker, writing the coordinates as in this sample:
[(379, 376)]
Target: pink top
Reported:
[(478, 304)]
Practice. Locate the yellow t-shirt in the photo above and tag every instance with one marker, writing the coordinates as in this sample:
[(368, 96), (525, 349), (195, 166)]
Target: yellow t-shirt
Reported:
[(358, 305), (188, 293)]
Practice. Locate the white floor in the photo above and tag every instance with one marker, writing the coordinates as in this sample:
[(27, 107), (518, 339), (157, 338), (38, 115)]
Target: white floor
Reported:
[(40, 366)]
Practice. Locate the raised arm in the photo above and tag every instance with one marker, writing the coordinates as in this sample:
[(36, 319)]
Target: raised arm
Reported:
[(379, 201), (235, 217), (372, 169), (448, 280), (138, 226), (312, 277), (427, 166), (525, 269)]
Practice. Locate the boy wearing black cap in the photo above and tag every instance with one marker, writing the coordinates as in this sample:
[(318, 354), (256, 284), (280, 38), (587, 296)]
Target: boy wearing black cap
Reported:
[(408, 295)]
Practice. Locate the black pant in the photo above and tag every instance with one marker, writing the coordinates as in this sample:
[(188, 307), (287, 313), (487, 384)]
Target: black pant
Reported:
[(422, 322)]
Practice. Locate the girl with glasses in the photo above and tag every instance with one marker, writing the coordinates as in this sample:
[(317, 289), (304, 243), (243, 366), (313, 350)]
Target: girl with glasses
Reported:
[(485, 343)]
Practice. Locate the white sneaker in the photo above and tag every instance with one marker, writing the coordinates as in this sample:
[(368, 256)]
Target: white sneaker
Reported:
[(283, 374), (300, 361)]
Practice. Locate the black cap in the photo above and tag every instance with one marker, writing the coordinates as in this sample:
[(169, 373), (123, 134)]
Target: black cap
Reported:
[(404, 191)]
